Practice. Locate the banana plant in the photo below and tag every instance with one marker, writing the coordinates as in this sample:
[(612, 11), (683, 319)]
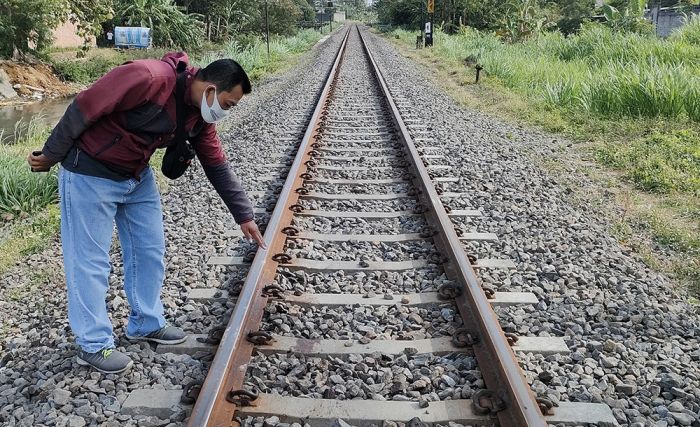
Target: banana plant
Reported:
[(170, 26), (631, 19)]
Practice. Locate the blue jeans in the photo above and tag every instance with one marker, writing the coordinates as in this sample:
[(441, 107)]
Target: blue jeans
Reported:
[(89, 208)]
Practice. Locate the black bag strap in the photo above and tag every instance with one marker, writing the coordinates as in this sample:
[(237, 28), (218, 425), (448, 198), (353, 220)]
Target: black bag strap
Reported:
[(180, 132)]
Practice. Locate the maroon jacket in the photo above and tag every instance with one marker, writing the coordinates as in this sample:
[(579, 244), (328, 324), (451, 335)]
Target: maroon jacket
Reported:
[(127, 114)]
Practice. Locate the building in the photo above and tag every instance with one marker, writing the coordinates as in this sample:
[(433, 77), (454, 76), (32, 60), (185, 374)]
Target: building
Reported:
[(667, 19), (66, 35)]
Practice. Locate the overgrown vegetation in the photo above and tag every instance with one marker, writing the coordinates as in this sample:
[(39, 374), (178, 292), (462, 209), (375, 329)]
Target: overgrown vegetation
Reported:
[(26, 21), (596, 70), (515, 20), (169, 25), (97, 62), (29, 216), (249, 51), (23, 192), (253, 57), (631, 97), (660, 163), (26, 25)]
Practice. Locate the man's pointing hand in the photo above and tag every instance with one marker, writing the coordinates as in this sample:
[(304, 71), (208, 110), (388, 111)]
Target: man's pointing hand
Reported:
[(251, 232)]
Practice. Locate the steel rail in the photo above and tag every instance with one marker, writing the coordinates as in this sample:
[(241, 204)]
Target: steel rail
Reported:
[(495, 358), (230, 362)]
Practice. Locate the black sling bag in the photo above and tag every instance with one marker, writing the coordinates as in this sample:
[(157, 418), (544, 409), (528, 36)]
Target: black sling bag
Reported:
[(179, 154)]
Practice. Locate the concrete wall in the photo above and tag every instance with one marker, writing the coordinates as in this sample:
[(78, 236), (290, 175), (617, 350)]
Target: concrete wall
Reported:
[(66, 35), (666, 20)]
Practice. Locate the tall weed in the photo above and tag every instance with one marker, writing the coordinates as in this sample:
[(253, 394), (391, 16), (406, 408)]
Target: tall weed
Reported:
[(688, 33), (252, 55), (597, 70)]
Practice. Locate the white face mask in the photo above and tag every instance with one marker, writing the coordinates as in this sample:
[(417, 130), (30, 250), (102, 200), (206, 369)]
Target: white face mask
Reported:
[(213, 113)]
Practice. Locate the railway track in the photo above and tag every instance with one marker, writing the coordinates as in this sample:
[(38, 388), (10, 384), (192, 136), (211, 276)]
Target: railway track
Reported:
[(365, 307)]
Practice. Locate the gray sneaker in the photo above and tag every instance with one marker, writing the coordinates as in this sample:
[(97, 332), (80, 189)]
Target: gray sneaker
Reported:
[(107, 360), (165, 335)]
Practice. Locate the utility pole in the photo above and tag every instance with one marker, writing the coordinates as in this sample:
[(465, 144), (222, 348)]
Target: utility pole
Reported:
[(330, 15), (429, 24), (267, 31)]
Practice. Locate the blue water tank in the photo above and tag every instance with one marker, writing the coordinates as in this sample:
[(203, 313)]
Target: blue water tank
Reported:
[(138, 37)]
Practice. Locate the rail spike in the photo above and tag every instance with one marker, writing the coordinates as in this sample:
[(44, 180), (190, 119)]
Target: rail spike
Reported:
[(213, 336), (546, 406), (242, 397), (282, 258), (449, 291), (464, 338), (290, 230), (273, 290), (190, 392), (487, 402), (416, 422), (260, 337), (512, 338)]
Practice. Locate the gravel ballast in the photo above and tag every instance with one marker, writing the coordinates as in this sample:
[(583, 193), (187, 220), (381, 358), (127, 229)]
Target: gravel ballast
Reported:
[(634, 340), (40, 382)]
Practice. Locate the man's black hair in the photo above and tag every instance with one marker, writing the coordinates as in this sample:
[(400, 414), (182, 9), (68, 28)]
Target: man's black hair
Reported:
[(225, 74)]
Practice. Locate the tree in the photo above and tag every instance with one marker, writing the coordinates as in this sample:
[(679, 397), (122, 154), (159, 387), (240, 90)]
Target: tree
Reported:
[(235, 15), (354, 9), (307, 11), (406, 13), (88, 15), (28, 22), (284, 16), (573, 14), (169, 25), (631, 18)]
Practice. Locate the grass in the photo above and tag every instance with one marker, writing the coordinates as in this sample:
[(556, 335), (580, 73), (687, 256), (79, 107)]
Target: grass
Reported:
[(29, 215), (253, 55), (659, 163), (630, 102), (28, 236), (23, 192), (250, 52), (597, 71)]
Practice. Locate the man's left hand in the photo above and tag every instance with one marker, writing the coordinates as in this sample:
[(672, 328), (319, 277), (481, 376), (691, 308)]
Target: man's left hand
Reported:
[(252, 233), (39, 162)]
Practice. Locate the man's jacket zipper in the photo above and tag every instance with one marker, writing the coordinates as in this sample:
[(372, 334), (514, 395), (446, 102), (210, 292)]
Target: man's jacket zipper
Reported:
[(108, 146)]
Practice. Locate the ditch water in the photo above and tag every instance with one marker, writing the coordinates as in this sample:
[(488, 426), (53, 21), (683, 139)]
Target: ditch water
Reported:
[(16, 118)]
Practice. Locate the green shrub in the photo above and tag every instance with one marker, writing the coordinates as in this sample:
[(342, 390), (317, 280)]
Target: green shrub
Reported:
[(27, 22), (170, 26), (84, 70)]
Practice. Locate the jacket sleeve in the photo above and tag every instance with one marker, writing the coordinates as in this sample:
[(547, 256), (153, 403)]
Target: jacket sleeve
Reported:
[(123, 88), (210, 154)]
